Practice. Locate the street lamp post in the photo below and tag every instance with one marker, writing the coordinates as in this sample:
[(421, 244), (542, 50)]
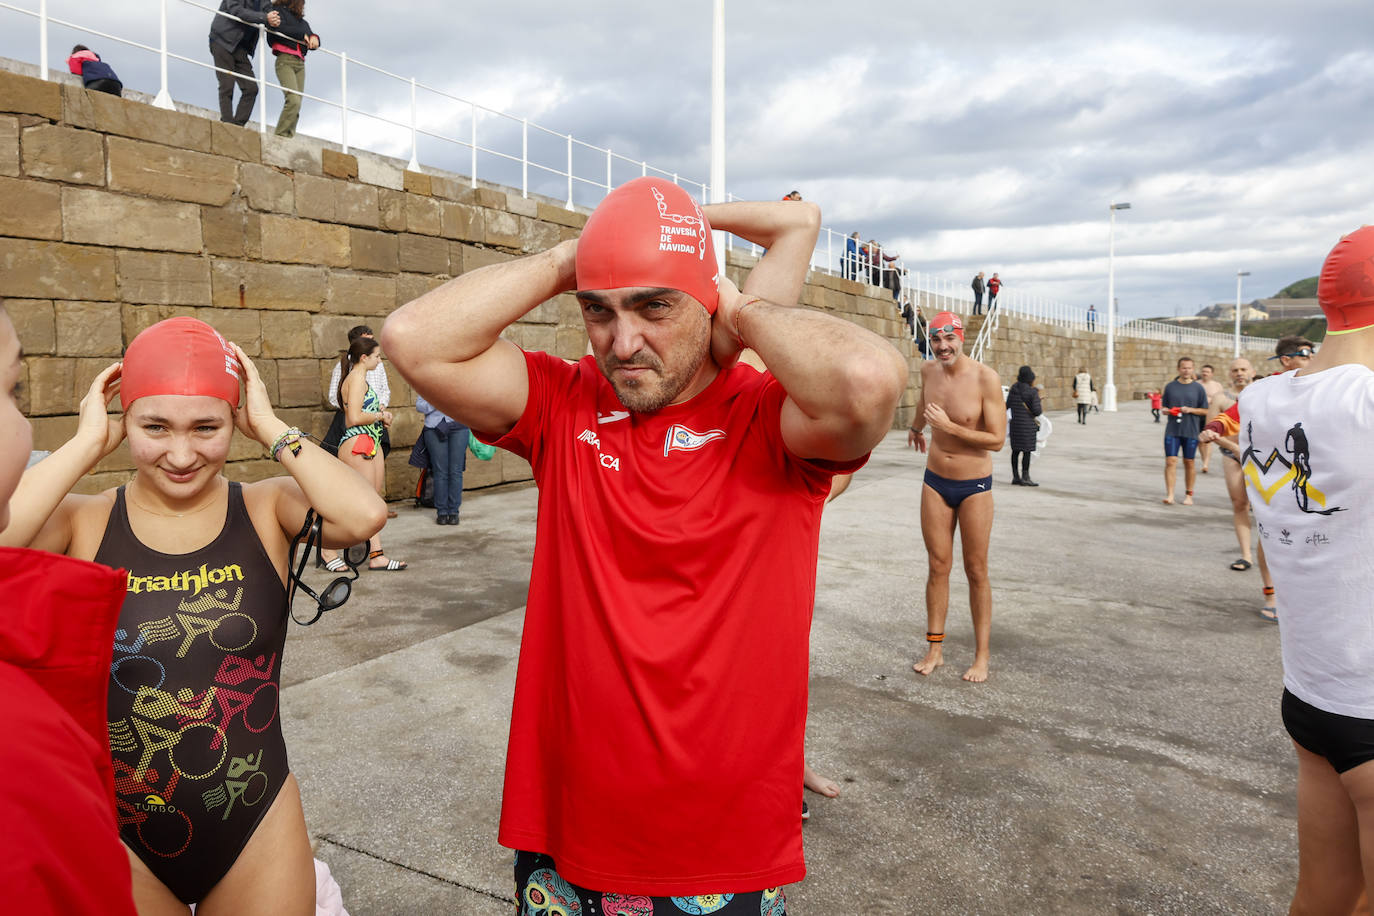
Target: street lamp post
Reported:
[(718, 120), (1239, 274), (1109, 389)]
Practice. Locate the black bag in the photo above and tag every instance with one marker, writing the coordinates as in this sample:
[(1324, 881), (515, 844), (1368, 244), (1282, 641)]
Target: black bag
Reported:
[(330, 442)]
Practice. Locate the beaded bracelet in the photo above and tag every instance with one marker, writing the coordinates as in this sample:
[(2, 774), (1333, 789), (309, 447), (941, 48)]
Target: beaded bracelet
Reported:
[(291, 439)]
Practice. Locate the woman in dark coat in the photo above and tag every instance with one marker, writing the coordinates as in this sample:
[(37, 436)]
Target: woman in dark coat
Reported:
[(1023, 400)]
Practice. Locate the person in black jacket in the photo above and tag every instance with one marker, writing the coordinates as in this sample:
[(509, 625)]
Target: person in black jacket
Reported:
[(1023, 400), (290, 42), (978, 294), (232, 44)]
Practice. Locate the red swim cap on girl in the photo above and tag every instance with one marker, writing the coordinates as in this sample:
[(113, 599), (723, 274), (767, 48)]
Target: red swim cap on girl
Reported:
[(1345, 290), (180, 356), (651, 233), (947, 319)]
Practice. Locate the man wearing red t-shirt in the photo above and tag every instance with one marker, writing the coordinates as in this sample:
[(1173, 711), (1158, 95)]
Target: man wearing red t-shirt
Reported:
[(660, 702)]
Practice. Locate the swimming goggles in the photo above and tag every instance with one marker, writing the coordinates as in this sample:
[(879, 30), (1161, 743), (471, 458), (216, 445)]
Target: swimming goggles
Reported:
[(335, 593), (946, 329), (1304, 351)]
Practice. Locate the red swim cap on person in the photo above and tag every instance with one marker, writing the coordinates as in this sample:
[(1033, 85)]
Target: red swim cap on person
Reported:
[(649, 232), (1345, 290), (180, 356), (947, 319)]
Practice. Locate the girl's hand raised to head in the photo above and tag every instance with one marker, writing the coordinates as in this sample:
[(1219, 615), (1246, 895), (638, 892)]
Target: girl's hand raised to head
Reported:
[(256, 419), (95, 426)]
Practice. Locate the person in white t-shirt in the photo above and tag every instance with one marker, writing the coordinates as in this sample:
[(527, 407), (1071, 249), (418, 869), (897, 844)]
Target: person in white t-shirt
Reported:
[(1306, 436)]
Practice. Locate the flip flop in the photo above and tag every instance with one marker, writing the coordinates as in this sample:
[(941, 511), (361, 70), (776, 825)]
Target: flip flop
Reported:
[(391, 565), (336, 565), (1241, 565), (1270, 614)]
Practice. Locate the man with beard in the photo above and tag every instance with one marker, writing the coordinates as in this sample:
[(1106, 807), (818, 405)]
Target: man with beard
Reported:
[(962, 401), (660, 702)]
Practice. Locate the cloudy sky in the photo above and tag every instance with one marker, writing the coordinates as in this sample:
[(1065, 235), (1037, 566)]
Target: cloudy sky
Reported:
[(988, 136)]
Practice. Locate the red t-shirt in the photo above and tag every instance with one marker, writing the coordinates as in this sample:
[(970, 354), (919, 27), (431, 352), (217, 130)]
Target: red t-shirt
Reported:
[(59, 848), (660, 700), (994, 285)]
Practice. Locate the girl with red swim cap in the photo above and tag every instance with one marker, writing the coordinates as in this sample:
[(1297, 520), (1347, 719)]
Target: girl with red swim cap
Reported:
[(205, 802)]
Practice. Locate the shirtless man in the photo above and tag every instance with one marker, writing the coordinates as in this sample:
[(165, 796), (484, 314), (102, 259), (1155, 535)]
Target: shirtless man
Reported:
[(962, 401), (1224, 430), (1214, 392)]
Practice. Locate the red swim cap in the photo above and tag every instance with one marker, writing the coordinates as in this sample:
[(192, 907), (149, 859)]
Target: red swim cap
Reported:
[(1346, 288), (947, 319), (180, 356), (651, 233)]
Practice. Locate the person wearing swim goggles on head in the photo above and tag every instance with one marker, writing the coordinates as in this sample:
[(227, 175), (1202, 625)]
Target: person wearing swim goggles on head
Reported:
[(1293, 352), (961, 400), (60, 849), (205, 800), (1307, 437)]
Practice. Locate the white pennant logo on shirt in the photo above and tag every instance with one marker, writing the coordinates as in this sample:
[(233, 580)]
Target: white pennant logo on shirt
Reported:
[(688, 440)]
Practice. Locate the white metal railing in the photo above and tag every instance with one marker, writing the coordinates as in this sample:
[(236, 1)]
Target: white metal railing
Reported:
[(492, 134), (935, 293)]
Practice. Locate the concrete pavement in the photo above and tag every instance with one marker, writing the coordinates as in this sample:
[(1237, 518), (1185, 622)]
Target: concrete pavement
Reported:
[(1125, 756)]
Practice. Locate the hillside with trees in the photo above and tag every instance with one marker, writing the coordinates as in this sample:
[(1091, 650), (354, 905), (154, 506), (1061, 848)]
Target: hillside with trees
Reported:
[(1303, 289)]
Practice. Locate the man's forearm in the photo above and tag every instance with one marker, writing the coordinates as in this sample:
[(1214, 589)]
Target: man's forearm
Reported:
[(462, 319), (827, 366), (764, 223)]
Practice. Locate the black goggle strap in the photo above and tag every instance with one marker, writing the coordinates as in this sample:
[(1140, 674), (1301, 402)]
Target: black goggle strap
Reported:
[(309, 537)]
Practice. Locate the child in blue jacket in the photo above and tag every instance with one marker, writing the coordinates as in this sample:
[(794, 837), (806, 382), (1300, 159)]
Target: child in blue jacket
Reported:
[(94, 72)]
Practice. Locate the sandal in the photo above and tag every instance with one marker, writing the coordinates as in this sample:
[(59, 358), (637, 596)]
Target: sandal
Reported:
[(1270, 611), (1241, 565), (336, 565), (391, 565)]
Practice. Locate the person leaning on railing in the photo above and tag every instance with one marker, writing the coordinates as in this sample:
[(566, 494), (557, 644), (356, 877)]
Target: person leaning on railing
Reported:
[(290, 42), (233, 39)]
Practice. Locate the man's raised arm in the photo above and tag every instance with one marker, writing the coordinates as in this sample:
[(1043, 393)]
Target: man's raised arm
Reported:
[(842, 381), (786, 229), (447, 343)]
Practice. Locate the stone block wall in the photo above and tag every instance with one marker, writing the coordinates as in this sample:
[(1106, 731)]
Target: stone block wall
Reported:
[(115, 215), (1057, 353)]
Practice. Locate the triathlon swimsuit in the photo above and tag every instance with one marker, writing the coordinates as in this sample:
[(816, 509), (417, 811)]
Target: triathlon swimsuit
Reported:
[(953, 492), (540, 889), (197, 745)]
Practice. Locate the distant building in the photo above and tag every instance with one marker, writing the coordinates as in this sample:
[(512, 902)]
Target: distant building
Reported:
[(1277, 309), (1227, 310)]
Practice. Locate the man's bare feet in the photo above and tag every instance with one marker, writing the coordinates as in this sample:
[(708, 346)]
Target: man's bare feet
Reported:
[(818, 783), (1188, 500), (978, 672), (935, 657), (1168, 500)]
